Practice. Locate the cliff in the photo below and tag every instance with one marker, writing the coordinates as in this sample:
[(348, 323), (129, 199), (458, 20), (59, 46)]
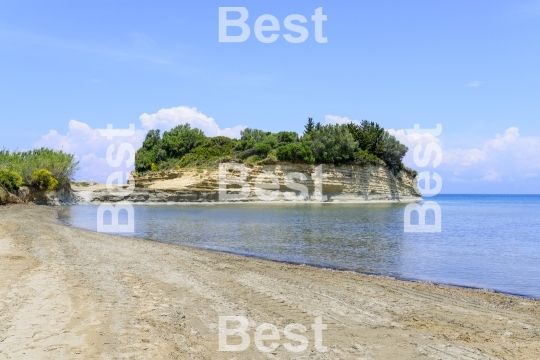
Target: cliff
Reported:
[(343, 183)]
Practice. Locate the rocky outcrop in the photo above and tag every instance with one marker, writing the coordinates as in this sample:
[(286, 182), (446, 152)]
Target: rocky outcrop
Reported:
[(63, 196), (3, 196), (345, 183), (8, 198), (27, 195)]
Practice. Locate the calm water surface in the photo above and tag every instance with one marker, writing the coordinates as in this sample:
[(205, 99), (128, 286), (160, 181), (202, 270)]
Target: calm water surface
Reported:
[(487, 241)]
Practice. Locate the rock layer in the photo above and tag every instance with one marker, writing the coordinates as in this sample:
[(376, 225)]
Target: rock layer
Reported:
[(344, 183)]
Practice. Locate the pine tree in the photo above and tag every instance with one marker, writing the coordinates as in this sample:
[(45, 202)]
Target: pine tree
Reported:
[(309, 126)]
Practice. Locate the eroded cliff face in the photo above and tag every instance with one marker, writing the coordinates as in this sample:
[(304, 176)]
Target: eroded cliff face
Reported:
[(344, 183)]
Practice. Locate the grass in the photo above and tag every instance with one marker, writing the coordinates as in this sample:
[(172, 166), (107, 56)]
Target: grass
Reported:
[(81, 183)]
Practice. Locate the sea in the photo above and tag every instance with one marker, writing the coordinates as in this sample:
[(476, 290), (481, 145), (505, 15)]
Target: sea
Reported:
[(486, 241)]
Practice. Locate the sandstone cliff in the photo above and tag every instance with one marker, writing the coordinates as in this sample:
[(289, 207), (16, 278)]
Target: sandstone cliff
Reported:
[(344, 183)]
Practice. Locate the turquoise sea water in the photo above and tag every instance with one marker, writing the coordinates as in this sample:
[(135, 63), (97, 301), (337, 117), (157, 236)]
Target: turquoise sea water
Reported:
[(487, 241)]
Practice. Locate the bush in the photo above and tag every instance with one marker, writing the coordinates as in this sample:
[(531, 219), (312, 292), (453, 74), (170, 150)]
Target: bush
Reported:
[(10, 180), (331, 144), (211, 150), (44, 179), (286, 137), (375, 140), (250, 138), (295, 152), (362, 157), (179, 141), (62, 166), (263, 149), (411, 172), (369, 136), (393, 153), (366, 143)]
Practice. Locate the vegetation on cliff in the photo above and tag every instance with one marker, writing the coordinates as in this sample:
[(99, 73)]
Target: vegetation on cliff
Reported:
[(365, 144), (41, 168)]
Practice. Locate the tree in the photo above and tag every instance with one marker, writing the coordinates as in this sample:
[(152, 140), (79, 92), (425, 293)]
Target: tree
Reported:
[(331, 144), (148, 153), (393, 152), (369, 136), (364, 143), (310, 126), (152, 139), (286, 137), (299, 152), (373, 139), (180, 140)]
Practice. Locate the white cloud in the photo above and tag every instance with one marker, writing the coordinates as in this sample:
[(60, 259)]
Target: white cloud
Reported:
[(505, 157), (166, 119), (334, 119), (475, 84), (89, 147), (411, 141), (414, 139)]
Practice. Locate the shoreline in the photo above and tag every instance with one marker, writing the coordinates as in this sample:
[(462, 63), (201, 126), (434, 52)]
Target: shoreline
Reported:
[(240, 202), (449, 286), (70, 292), (400, 278), (99, 196)]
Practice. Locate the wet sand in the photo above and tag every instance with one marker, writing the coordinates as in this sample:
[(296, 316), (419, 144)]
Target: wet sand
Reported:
[(67, 293)]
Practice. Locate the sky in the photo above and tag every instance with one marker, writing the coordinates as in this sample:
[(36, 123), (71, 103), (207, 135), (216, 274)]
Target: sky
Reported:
[(69, 68)]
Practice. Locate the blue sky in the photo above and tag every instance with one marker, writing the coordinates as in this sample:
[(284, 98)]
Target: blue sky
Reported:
[(472, 66)]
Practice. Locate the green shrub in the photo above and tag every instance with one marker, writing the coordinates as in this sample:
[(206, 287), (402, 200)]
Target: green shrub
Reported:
[(331, 144), (362, 157), (250, 138), (262, 149), (253, 159), (44, 179), (179, 141), (286, 137), (298, 152), (393, 152), (375, 140), (272, 157), (364, 144), (10, 180), (211, 150), (62, 166), (411, 172)]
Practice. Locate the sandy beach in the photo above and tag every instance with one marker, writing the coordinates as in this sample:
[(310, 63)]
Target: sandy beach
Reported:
[(67, 293)]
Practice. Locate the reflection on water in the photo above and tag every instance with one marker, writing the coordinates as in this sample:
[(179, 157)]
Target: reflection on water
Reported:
[(487, 241)]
